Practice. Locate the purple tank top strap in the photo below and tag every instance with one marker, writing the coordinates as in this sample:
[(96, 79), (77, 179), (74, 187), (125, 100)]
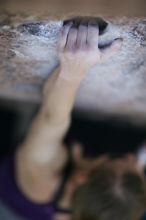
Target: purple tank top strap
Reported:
[(16, 201)]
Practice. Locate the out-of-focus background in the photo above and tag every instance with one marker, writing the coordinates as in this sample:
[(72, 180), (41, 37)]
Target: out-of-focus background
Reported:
[(98, 137)]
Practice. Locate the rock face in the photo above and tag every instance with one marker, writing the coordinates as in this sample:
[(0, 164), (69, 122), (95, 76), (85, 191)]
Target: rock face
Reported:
[(28, 55)]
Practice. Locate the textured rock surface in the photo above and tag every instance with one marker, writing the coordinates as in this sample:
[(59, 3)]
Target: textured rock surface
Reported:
[(28, 55)]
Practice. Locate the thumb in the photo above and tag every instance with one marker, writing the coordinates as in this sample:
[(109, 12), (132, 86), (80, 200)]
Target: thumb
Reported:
[(112, 49)]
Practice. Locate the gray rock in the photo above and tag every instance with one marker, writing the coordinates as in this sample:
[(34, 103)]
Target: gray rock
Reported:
[(114, 88)]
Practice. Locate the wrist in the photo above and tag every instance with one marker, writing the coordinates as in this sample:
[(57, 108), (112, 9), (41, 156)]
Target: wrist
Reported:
[(71, 74)]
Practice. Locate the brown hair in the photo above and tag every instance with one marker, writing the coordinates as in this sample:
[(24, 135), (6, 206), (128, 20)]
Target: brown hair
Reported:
[(106, 196)]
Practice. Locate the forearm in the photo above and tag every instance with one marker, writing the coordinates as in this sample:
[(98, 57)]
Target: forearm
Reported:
[(60, 96), (44, 140)]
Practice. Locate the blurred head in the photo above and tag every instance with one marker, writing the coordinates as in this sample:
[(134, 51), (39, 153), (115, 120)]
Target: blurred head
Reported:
[(116, 191)]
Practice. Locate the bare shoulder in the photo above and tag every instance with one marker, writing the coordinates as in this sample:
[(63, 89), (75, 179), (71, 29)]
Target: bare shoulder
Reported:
[(39, 182)]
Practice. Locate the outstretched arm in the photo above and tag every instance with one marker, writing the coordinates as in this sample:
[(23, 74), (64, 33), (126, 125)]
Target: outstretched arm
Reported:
[(42, 154)]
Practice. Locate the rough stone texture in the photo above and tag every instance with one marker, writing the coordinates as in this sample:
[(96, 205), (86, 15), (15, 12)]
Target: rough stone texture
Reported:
[(28, 55)]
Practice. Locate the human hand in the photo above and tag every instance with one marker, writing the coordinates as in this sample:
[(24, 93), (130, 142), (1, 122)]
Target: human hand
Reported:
[(78, 49)]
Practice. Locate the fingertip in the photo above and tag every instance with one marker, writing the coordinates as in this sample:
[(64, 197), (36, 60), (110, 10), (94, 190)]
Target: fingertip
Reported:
[(93, 34), (65, 29), (68, 25), (63, 35), (112, 49), (117, 43), (93, 22), (119, 39), (93, 26), (72, 38)]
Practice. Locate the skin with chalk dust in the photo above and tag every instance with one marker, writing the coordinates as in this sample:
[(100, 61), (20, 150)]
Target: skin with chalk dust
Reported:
[(116, 87)]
